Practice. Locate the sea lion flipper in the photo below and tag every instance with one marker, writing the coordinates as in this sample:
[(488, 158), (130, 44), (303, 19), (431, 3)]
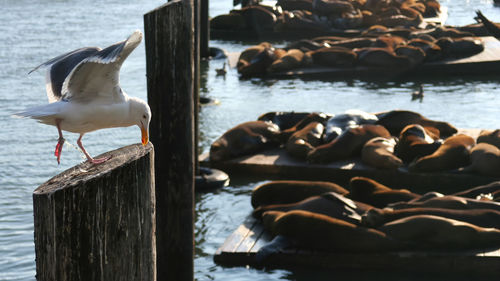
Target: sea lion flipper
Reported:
[(276, 245)]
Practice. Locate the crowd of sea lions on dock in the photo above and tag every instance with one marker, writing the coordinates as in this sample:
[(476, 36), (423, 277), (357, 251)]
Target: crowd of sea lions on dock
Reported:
[(325, 15), (371, 217), (385, 140), (378, 47)]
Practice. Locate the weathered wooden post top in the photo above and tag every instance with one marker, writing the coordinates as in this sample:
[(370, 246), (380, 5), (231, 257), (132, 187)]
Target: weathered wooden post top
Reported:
[(97, 222)]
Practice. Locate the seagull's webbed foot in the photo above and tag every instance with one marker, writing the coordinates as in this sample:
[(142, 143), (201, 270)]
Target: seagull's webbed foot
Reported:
[(91, 160), (58, 150)]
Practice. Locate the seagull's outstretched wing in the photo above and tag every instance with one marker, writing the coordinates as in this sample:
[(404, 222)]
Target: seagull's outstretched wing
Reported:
[(89, 73)]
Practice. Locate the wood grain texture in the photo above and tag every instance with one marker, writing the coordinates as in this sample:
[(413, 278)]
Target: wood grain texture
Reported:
[(97, 222)]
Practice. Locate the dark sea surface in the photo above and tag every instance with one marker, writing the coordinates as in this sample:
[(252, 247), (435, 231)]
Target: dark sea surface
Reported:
[(35, 31)]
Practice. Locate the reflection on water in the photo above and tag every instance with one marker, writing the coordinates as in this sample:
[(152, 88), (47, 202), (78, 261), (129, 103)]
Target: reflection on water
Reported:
[(35, 31)]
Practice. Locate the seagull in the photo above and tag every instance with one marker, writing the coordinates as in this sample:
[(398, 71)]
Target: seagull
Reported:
[(85, 95), (221, 71), (418, 94)]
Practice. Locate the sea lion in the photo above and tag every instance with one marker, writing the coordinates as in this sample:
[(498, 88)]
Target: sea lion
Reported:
[(480, 217), (414, 142), (316, 231), (401, 20), (292, 59), (388, 41), (310, 118), (396, 120), (259, 64), (489, 136), (284, 120), (347, 145), (459, 47), (334, 57), (381, 57), (432, 51), (291, 191), (438, 233), (432, 9), (328, 7), (304, 140), (244, 139), (258, 18), (306, 45), (448, 202), (370, 192), (291, 5), (379, 153), (338, 123), (351, 43), (330, 204), (228, 21), (249, 53), (414, 54), (452, 154), (485, 160), (478, 190), (492, 28)]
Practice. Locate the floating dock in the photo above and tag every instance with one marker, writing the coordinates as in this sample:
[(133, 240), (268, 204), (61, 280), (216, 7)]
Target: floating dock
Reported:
[(241, 247), (277, 164)]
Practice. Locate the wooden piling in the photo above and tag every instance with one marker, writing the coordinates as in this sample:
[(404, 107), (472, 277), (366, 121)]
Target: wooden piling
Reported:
[(204, 29), (169, 37), (97, 222)]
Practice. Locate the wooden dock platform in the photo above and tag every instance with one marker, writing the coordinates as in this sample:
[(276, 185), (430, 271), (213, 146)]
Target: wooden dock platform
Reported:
[(241, 247), (277, 164), (486, 62)]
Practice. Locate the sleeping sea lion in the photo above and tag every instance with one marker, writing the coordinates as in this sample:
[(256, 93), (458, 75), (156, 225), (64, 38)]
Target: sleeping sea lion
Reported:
[(303, 141), (414, 142), (330, 204), (478, 190), (414, 54), (328, 7), (284, 120), (480, 217), (291, 191), (338, 123), (246, 138), (370, 192), (316, 231), (292, 59), (379, 153), (489, 136), (438, 233), (381, 57), (396, 120), (485, 160), (347, 145), (452, 154), (448, 202), (333, 57), (310, 118)]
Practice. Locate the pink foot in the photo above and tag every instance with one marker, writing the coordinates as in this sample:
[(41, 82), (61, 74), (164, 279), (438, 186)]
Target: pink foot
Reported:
[(99, 160), (58, 150)]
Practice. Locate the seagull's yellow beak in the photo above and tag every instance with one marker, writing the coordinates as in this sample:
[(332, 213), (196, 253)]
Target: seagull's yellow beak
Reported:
[(145, 137)]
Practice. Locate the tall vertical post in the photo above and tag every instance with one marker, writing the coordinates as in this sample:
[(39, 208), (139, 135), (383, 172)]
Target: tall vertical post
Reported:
[(169, 37), (204, 29)]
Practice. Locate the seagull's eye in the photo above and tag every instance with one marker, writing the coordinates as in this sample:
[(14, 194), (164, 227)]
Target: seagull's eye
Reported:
[(144, 116)]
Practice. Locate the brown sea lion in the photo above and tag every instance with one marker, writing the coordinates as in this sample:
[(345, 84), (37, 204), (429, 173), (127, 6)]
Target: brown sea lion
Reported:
[(432, 51), (489, 136), (352, 43), (333, 57), (480, 217), (388, 41), (338, 123), (448, 202), (258, 17), (382, 57), (292, 59), (492, 28), (415, 54), (248, 54), (396, 120), (306, 45), (379, 153), (246, 138), (438, 233), (347, 145), (228, 21), (459, 47), (478, 190), (485, 160), (401, 20), (370, 192), (303, 141), (292, 5), (452, 154), (442, 31), (328, 7), (316, 231), (330, 204), (291, 191), (432, 9), (259, 64), (308, 119), (414, 142)]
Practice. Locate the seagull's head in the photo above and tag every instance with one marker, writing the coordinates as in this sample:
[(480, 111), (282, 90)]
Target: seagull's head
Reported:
[(141, 114)]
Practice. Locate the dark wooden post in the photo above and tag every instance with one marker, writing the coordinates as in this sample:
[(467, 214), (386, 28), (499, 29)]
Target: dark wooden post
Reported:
[(97, 222), (204, 29), (169, 37)]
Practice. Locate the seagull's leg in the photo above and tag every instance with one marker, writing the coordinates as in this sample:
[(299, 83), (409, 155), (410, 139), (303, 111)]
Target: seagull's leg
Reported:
[(91, 160), (60, 142)]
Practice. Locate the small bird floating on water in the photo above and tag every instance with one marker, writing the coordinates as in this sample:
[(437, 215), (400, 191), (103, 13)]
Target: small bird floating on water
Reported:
[(221, 71), (418, 94), (85, 95)]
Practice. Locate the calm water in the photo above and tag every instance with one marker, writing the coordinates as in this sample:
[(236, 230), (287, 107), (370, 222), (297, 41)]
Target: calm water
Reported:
[(34, 31)]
